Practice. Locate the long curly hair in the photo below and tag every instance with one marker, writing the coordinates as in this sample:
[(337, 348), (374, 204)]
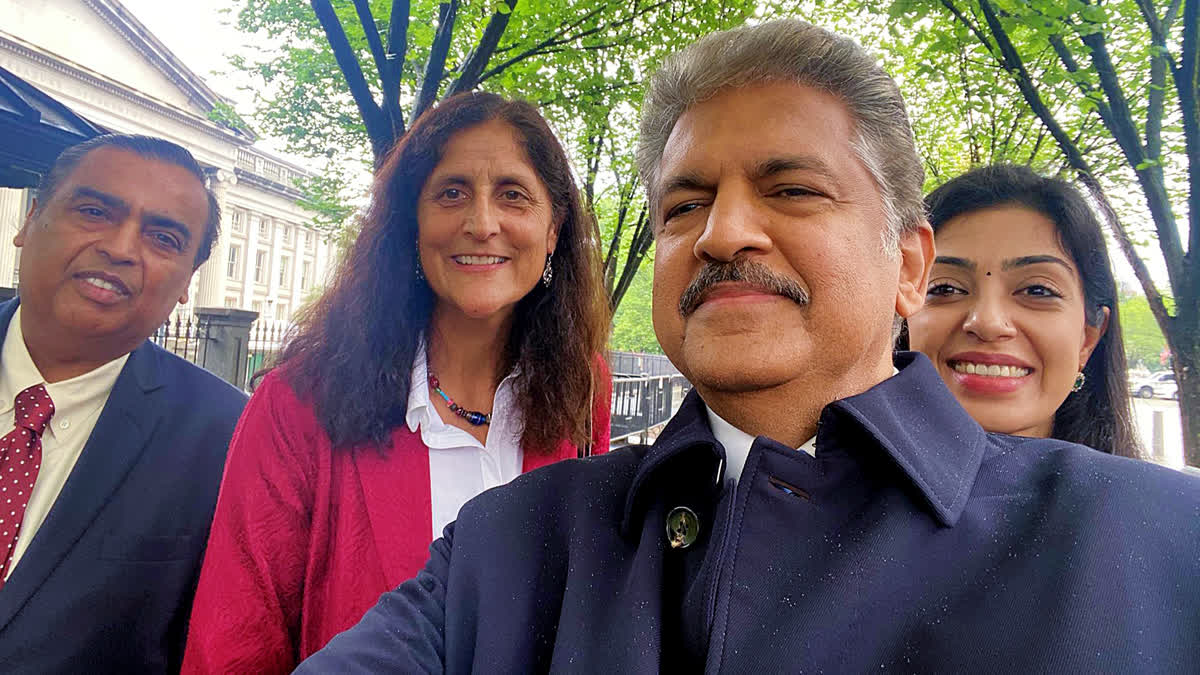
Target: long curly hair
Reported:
[(1098, 415), (352, 351)]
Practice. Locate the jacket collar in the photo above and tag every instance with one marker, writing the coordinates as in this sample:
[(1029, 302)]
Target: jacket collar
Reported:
[(143, 359), (912, 417)]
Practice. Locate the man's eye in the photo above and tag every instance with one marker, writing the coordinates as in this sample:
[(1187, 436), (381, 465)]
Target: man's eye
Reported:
[(681, 210), (794, 191), (452, 194), (92, 211), (167, 240), (512, 195)]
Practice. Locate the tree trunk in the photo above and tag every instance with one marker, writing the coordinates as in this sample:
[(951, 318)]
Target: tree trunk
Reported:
[(1187, 375)]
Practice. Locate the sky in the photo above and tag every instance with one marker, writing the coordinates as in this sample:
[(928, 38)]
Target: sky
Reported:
[(202, 36)]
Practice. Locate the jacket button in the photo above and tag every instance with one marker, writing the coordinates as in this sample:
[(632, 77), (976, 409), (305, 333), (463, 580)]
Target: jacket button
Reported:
[(683, 527)]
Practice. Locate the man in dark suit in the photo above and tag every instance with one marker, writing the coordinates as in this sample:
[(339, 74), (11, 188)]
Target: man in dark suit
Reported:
[(815, 505), (109, 478)]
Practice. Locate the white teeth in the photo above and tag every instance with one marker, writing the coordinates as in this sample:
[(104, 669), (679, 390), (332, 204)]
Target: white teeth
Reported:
[(106, 285), (990, 370), (478, 259)]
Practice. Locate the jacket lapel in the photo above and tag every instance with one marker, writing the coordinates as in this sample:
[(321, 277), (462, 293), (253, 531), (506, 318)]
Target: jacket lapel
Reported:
[(395, 487), (117, 441)]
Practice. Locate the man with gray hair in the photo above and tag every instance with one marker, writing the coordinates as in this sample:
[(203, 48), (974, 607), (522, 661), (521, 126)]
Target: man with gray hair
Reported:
[(816, 504)]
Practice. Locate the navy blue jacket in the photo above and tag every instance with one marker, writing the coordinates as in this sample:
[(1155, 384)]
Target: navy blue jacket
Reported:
[(106, 584), (913, 542)]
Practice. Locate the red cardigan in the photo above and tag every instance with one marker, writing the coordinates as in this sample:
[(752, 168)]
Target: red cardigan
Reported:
[(306, 537)]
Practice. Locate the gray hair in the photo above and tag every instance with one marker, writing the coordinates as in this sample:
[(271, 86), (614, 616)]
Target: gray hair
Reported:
[(795, 51)]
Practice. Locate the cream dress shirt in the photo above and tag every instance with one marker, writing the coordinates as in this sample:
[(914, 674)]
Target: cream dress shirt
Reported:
[(77, 405), (459, 466)]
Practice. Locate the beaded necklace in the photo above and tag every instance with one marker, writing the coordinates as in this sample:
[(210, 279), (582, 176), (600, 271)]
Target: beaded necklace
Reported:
[(472, 416)]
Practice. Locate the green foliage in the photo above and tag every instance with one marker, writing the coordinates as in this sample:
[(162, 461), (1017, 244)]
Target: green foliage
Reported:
[(222, 113), (583, 62), (1144, 340), (633, 323)]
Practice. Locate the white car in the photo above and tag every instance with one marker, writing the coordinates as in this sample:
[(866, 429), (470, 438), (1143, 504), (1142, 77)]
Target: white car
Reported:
[(1161, 385)]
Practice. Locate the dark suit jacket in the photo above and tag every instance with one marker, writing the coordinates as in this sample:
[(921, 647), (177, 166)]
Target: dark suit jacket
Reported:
[(106, 584), (912, 542)]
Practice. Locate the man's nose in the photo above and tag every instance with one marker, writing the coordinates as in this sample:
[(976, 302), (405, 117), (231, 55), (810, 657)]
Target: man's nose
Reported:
[(482, 221), (736, 226), (989, 319), (121, 243)]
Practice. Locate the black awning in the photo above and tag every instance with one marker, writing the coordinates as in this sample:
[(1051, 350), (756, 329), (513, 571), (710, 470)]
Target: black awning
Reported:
[(34, 129)]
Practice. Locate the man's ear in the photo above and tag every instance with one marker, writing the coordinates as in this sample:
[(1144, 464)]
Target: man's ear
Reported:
[(19, 239), (916, 258)]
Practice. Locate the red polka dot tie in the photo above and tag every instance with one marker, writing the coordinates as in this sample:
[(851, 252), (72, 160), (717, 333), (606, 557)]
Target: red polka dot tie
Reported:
[(20, 459)]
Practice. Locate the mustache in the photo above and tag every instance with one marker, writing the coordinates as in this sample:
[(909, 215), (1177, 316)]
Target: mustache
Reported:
[(743, 271)]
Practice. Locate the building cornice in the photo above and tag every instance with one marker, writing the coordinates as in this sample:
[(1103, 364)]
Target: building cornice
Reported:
[(268, 185), (76, 72), (124, 23)]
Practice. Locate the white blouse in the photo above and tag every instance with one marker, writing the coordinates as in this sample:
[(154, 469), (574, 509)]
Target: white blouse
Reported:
[(459, 466)]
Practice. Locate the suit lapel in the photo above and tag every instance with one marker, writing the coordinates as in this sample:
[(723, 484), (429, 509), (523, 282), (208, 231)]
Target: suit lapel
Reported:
[(117, 441), (395, 487)]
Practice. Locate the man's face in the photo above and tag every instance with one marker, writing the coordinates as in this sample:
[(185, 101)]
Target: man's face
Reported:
[(764, 176), (105, 259)]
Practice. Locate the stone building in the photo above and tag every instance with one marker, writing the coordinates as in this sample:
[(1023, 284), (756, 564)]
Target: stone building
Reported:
[(95, 57)]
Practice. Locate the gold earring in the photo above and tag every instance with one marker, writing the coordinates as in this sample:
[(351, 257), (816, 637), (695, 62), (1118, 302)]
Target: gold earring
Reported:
[(1079, 380)]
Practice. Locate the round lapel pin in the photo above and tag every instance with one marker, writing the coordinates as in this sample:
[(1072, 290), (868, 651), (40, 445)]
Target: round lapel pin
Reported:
[(683, 527)]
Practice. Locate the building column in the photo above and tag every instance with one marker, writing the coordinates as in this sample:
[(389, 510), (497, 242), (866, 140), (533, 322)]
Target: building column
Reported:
[(251, 251), (11, 219), (211, 289)]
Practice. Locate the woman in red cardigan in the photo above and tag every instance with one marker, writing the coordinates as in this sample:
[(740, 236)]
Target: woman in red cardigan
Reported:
[(457, 347)]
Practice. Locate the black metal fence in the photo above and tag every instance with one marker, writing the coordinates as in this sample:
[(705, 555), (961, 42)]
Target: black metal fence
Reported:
[(266, 338), (185, 336), (633, 364), (642, 404), (190, 336)]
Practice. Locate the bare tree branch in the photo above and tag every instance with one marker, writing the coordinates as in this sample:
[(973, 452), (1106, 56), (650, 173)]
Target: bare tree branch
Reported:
[(391, 90), (1011, 61), (1149, 173), (347, 61), (435, 67), (478, 59)]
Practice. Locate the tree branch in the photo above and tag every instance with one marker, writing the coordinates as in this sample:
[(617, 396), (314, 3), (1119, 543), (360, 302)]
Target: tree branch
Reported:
[(1187, 79), (642, 238), (391, 92), (397, 52), (343, 53), (478, 59), (1008, 57), (553, 40), (1150, 174), (435, 67)]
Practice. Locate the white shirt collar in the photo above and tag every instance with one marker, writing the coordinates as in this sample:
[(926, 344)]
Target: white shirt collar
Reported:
[(75, 398), (423, 417), (737, 442)]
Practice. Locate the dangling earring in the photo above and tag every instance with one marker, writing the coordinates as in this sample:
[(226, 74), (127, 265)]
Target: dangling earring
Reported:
[(1079, 380), (420, 272), (548, 273)]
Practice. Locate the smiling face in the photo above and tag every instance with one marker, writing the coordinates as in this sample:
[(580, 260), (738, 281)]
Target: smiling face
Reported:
[(106, 258), (1004, 318), (765, 176), (486, 223)]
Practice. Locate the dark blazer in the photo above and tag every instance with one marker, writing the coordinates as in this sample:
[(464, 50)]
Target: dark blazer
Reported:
[(912, 542), (106, 584)]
